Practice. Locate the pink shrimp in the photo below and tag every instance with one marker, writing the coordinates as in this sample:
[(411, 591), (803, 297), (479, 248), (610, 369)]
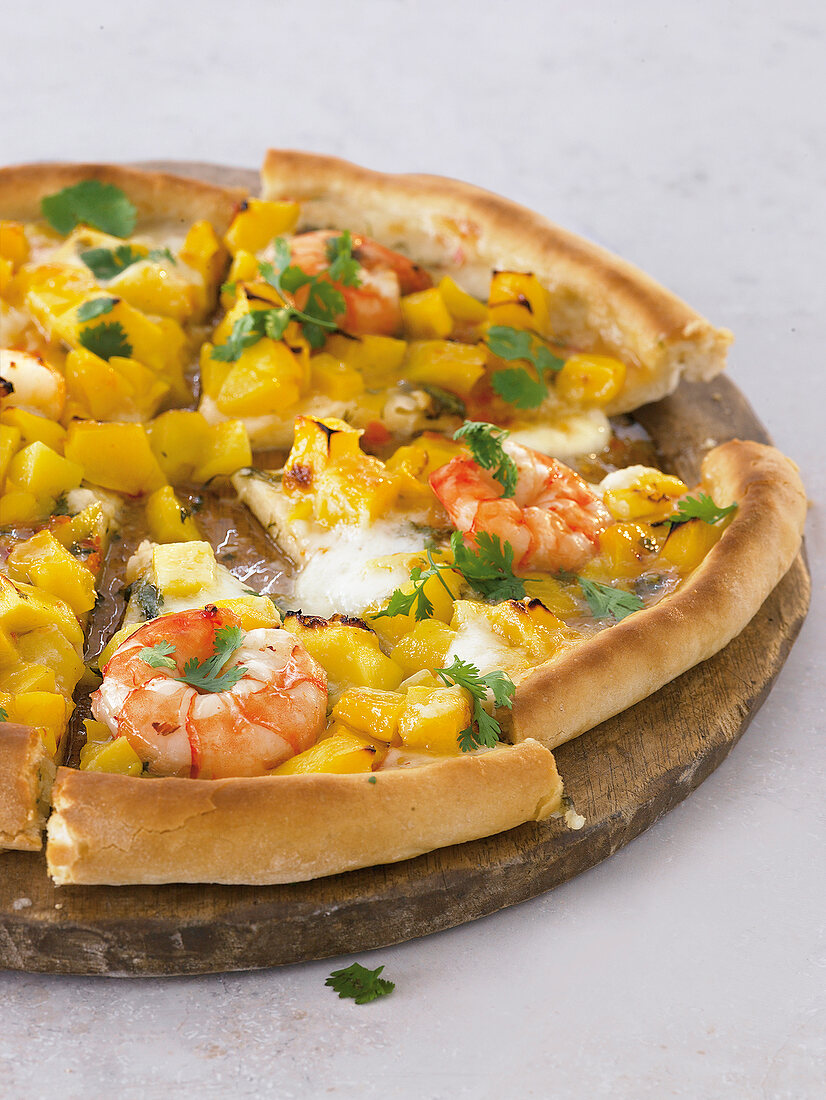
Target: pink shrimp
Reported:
[(373, 306), (275, 710), (553, 521)]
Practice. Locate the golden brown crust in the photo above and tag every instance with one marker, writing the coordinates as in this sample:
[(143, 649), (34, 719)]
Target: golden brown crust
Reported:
[(461, 229), (25, 775), (113, 829), (158, 196), (607, 674)]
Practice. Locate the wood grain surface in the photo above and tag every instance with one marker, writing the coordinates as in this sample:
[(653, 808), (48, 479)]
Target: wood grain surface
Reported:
[(622, 776)]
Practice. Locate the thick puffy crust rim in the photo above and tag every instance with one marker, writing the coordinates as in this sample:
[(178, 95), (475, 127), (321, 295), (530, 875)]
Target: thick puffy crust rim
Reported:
[(111, 829), (629, 309), (620, 666), (160, 197), (25, 774)]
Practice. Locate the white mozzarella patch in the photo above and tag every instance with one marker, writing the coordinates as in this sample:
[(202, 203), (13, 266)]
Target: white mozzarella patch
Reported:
[(577, 434), (625, 478), (344, 572), (477, 643)]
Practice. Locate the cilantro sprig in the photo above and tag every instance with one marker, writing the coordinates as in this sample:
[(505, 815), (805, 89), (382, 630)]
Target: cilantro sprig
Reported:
[(90, 202), (484, 731), (324, 304), (106, 263), (206, 675), (605, 600), (106, 340), (359, 983), (699, 507), (485, 443), (516, 385), (487, 568)]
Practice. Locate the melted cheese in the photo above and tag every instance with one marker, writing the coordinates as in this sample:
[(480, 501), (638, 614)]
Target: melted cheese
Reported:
[(478, 643), (576, 434)]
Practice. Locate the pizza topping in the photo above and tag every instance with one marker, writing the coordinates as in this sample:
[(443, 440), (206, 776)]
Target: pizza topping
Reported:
[(97, 307), (517, 385), (484, 731), (107, 263), (359, 983), (700, 507), (90, 202), (604, 600), (106, 340), (485, 443)]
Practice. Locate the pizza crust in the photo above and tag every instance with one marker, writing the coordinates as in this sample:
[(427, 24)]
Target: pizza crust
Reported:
[(458, 229), (597, 679), (115, 829), (26, 775), (160, 197)]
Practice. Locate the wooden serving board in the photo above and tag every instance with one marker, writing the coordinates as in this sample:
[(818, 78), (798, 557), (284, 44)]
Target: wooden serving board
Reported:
[(622, 776)]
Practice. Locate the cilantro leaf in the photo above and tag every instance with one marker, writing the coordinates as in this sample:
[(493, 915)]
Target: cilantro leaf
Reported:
[(484, 731), (96, 308), (605, 600), (344, 268), (516, 385), (489, 568), (158, 655), (207, 675), (101, 205), (401, 603), (249, 329), (4, 715), (485, 443), (159, 255), (106, 263), (699, 507), (148, 599), (106, 340), (359, 983)]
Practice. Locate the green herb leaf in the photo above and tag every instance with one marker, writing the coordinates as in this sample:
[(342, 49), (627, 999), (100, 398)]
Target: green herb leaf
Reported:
[(699, 507), (604, 600), (485, 443), (249, 329), (160, 255), (106, 263), (101, 205), (61, 505), (96, 308), (344, 268), (148, 599), (106, 340), (444, 400), (159, 655), (4, 716), (484, 731), (489, 568), (516, 385), (228, 288), (359, 983), (207, 675)]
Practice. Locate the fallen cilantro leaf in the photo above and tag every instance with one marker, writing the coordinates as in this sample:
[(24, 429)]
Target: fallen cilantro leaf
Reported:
[(106, 340), (96, 308), (359, 983), (101, 205), (106, 263), (485, 444), (699, 507), (148, 599), (519, 388), (516, 385), (484, 731), (488, 568), (158, 655), (206, 675), (605, 600)]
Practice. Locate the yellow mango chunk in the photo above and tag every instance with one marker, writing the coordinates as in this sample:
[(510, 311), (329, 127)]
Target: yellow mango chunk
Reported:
[(377, 359), (350, 655), (423, 647), (8, 651), (120, 389), (650, 496), (96, 732), (267, 378), (27, 677), (425, 315), (24, 607), (14, 244), (341, 754), (432, 719), (47, 646), (518, 300), (227, 450), (117, 757), (19, 508), (334, 379), (689, 543), (9, 445), (441, 590), (244, 268), (446, 363), (204, 253), (156, 288), (39, 470), (167, 518), (45, 711), (45, 563), (626, 549), (181, 569), (461, 305), (34, 428), (114, 455), (590, 379), (558, 596), (258, 222), (7, 281), (117, 640), (368, 710), (179, 440), (255, 612)]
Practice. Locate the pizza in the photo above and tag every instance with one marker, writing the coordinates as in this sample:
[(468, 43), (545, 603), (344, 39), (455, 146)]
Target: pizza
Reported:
[(324, 519)]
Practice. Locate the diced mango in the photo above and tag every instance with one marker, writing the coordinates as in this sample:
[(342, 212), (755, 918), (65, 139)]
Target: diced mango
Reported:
[(689, 543), (39, 470), (227, 450), (45, 563), (27, 677), (462, 306), (627, 548), (47, 712), (334, 379), (590, 379), (258, 222), (432, 720), (24, 607), (341, 754), (558, 596), (14, 244), (518, 300), (20, 508), (181, 569), (8, 651), (158, 289), (651, 496), (441, 590), (179, 440), (34, 428), (425, 315), (47, 646), (254, 612), (529, 625), (349, 654), (243, 269), (9, 445), (266, 379), (204, 253), (120, 389), (167, 518), (96, 732), (114, 455), (117, 640), (116, 756), (446, 363), (378, 359), (425, 646), (368, 710)]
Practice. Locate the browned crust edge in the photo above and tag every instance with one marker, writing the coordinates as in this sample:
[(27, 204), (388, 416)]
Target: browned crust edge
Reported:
[(660, 338), (26, 773), (158, 196), (609, 673), (114, 830)]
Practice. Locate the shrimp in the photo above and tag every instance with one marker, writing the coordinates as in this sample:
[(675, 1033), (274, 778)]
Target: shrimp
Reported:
[(275, 710), (553, 521), (29, 383), (373, 306)]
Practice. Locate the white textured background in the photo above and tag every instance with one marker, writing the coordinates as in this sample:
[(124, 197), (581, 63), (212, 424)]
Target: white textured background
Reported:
[(689, 138)]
